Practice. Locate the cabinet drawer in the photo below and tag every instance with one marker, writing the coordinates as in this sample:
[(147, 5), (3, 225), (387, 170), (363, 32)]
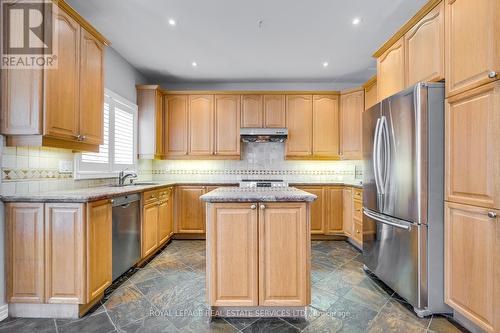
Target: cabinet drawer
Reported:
[(357, 194), (357, 211), (357, 235), (150, 196)]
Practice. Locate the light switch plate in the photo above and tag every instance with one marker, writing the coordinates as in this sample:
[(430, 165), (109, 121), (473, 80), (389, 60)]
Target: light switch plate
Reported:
[(65, 166)]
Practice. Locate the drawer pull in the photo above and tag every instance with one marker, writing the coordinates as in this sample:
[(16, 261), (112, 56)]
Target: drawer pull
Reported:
[(492, 215), (253, 206), (492, 74), (262, 207)]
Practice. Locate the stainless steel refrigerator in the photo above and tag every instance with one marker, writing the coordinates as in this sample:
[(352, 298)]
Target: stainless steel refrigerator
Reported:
[(403, 199)]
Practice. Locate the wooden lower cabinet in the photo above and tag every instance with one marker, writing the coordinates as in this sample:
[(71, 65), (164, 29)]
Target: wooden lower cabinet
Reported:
[(334, 210), (149, 228), (317, 208), (190, 210), (284, 251), (472, 264), (233, 265), (99, 248), (165, 217), (347, 211)]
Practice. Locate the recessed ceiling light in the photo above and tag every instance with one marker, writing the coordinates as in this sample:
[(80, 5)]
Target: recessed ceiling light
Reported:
[(356, 21), (325, 64), (172, 22), (194, 64)]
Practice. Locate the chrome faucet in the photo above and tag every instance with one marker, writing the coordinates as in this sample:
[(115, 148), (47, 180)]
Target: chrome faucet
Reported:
[(124, 175)]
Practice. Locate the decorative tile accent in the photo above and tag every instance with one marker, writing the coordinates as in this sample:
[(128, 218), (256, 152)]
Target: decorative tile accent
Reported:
[(30, 174)]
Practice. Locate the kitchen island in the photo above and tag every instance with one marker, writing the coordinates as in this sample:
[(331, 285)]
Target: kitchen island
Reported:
[(258, 251)]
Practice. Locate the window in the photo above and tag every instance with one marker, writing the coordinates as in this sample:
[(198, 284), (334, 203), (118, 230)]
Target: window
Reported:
[(119, 148)]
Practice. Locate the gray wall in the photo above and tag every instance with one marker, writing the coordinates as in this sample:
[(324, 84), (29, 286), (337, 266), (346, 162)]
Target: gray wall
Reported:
[(120, 77)]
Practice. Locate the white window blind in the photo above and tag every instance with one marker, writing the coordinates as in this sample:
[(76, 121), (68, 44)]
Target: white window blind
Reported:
[(119, 148)]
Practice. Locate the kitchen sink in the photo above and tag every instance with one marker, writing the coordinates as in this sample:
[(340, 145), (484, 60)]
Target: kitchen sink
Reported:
[(134, 184)]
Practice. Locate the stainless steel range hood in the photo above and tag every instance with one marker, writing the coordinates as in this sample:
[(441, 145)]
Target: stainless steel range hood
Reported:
[(263, 134)]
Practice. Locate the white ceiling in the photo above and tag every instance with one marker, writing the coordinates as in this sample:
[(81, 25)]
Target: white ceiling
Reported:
[(224, 38)]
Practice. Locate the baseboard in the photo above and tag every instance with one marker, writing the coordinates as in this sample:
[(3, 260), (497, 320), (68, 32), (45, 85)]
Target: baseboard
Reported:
[(4, 311)]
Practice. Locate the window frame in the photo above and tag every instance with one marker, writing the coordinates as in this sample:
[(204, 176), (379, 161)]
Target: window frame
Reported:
[(85, 170)]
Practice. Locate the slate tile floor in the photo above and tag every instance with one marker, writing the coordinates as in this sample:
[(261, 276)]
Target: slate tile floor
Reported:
[(168, 295)]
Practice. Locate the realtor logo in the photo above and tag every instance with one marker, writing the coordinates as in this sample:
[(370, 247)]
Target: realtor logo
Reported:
[(28, 38)]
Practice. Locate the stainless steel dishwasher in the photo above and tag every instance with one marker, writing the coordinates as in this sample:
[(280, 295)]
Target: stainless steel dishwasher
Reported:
[(126, 233)]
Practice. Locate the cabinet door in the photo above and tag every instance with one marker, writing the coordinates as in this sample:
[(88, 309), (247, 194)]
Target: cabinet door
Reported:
[(99, 248), (149, 228), (62, 85), (227, 125), (472, 39), (326, 126), (317, 209), (190, 210), (351, 125), (176, 111), (284, 253), (274, 111), (201, 125), (472, 146), (424, 48), (91, 89), (334, 206), (391, 71), (299, 110), (165, 226), (25, 252), (347, 209), (251, 111), (472, 283), (371, 93), (232, 238), (64, 253)]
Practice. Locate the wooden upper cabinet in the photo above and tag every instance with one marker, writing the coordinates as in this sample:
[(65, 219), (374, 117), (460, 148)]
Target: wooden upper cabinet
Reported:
[(25, 252), (91, 124), (227, 125), (232, 276), (99, 248), (299, 110), (201, 125), (176, 116), (424, 48), (334, 217), (391, 70), (370, 92), (274, 111), (472, 44), (251, 111), (64, 253), (472, 284), (326, 126), (151, 122), (284, 273), (472, 145), (190, 210), (61, 86), (351, 125)]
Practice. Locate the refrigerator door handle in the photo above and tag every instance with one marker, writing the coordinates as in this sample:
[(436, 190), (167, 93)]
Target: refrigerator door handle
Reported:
[(387, 154), (385, 220), (376, 155)]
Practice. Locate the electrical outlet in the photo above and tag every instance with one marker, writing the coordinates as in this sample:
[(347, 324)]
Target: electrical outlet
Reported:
[(65, 166)]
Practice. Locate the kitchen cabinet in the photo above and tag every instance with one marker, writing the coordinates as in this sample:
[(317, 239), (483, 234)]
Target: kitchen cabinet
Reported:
[(472, 40), (424, 48), (64, 253), (317, 208), (274, 111), (151, 122), (165, 216), (25, 252), (176, 116), (325, 129), (472, 164), (227, 125), (370, 88), (189, 209), (391, 70), (99, 248), (284, 251), (299, 121), (334, 206), (201, 125), (351, 124), (149, 228), (357, 217), (472, 273), (252, 111), (60, 107), (347, 208), (232, 277)]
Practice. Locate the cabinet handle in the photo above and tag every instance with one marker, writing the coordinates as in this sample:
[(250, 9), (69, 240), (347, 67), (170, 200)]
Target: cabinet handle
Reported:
[(262, 207), (253, 207), (112, 201), (492, 215), (492, 74), (82, 137)]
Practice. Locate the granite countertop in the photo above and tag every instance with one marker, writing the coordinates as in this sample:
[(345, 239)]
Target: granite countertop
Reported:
[(237, 194), (108, 192)]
